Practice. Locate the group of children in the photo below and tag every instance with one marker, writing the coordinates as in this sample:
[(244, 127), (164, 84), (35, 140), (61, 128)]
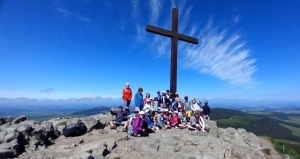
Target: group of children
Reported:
[(161, 113)]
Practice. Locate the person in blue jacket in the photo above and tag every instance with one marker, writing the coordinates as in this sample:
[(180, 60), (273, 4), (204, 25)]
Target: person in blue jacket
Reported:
[(138, 99), (149, 121), (121, 118)]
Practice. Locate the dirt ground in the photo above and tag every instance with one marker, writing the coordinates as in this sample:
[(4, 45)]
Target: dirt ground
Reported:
[(266, 144)]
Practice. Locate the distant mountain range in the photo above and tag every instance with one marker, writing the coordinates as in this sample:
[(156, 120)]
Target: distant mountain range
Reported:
[(92, 111)]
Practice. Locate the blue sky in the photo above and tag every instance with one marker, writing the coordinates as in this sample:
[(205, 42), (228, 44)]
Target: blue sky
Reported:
[(55, 50)]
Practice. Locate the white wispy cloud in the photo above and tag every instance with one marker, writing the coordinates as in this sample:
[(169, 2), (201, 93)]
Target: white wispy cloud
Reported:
[(237, 18), (68, 13), (222, 55), (219, 53), (155, 9), (140, 36), (135, 11), (85, 100)]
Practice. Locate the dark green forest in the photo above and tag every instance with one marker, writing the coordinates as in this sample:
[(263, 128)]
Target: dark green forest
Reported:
[(262, 125)]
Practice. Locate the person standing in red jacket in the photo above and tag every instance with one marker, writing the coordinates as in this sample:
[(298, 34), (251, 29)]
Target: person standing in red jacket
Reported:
[(127, 95)]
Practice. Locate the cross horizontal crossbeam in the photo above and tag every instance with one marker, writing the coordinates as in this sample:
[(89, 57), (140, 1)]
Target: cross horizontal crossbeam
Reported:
[(171, 34)]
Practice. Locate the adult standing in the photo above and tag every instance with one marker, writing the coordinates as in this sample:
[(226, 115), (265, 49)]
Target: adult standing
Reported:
[(127, 95), (138, 99), (146, 98), (195, 106), (164, 101), (206, 110), (158, 95)]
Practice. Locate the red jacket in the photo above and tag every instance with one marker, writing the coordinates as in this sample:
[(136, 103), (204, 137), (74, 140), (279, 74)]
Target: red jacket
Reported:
[(174, 120), (126, 94)]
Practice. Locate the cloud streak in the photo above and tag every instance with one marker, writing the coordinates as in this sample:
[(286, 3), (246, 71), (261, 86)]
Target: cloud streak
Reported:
[(47, 90), (140, 37), (67, 13), (222, 55), (155, 9), (85, 100), (219, 53), (135, 4)]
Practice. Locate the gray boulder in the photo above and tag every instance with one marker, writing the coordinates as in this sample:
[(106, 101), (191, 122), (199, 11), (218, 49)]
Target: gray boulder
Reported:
[(41, 133), (2, 136), (6, 153), (9, 149), (211, 128), (11, 136), (90, 122), (5, 120), (19, 119), (2, 121)]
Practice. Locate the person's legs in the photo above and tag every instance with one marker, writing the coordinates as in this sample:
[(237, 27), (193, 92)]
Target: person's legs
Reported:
[(188, 113), (198, 127), (117, 123), (125, 124), (128, 103), (191, 127), (141, 107), (170, 107), (112, 123)]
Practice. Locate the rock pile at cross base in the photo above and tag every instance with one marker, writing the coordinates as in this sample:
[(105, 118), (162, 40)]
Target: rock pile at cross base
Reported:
[(26, 139)]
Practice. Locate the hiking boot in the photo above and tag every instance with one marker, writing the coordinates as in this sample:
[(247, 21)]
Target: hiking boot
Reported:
[(113, 127), (124, 130)]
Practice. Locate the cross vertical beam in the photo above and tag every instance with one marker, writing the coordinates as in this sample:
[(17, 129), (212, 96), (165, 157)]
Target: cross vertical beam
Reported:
[(175, 37), (174, 53)]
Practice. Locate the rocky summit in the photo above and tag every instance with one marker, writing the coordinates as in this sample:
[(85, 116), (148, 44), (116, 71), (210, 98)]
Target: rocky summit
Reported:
[(27, 139)]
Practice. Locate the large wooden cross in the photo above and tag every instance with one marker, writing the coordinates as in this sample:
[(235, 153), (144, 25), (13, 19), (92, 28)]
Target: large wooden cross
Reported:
[(175, 37)]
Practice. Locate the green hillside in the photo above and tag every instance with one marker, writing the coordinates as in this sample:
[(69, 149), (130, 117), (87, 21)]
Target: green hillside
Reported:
[(282, 127)]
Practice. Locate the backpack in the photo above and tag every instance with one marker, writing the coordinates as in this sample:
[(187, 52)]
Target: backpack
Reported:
[(130, 129), (74, 129)]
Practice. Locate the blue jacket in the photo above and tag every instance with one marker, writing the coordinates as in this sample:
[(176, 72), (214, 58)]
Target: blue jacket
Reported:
[(138, 99), (120, 116), (148, 119)]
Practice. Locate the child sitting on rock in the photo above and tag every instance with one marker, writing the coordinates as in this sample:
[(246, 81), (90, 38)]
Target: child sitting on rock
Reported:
[(175, 120), (139, 125), (149, 120), (130, 121), (160, 120), (121, 118), (197, 122), (184, 120)]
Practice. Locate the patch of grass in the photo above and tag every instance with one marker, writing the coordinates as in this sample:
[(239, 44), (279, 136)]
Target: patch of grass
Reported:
[(295, 119), (295, 131), (79, 121), (290, 148), (207, 130), (267, 151), (63, 123), (177, 150)]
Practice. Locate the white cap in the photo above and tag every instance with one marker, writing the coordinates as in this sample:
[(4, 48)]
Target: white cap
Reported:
[(127, 84), (176, 112), (141, 112), (166, 110)]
